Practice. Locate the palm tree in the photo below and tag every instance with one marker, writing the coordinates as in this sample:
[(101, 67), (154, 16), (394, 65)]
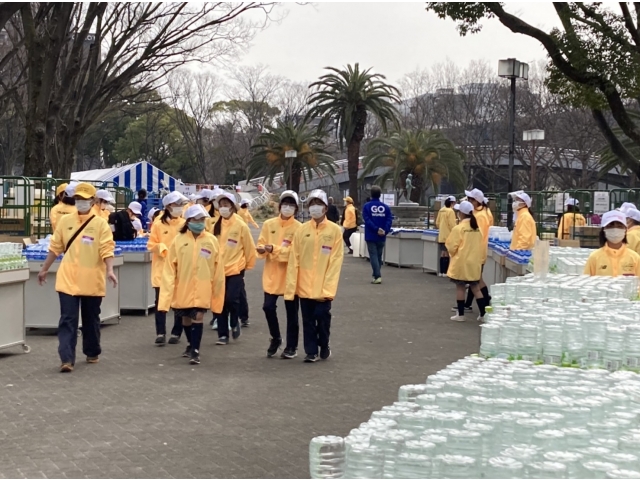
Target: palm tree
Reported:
[(347, 97), (428, 155), (269, 157)]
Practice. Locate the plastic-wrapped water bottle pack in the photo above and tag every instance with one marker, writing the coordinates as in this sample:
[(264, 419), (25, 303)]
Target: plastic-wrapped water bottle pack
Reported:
[(11, 257), (133, 246)]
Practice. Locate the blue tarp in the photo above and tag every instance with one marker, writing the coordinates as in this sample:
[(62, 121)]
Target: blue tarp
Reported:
[(135, 177)]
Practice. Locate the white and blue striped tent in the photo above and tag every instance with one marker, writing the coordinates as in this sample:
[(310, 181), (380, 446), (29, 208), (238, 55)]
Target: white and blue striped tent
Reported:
[(135, 177)]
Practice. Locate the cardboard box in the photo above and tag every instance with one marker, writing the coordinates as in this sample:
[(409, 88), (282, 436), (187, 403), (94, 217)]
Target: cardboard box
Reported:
[(569, 243)]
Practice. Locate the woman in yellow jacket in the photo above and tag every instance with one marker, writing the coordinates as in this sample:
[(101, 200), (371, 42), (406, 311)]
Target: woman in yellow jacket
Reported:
[(484, 217), (246, 214), (573, 218), (524, 234), (445, 221), (313, 273), (238, 252), (349, 222), (64, 204), (161, 237), (103, 198), (193, 278), (633, 229), (274, 245), (465, 247), (613, 258)]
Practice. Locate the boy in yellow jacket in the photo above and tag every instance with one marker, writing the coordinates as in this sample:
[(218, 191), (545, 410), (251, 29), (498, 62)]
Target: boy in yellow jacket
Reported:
[(274, 245), (88, 246), (313, 274), (193, 278)]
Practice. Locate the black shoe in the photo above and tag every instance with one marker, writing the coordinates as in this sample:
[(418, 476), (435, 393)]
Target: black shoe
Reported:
[(223, 341), (245, 323), (274, 346), (350, 252), (236, 332), (311, 359), (174, 340), (195, 358), (187, 352), (289, 354), (161, 339), (325, 352)]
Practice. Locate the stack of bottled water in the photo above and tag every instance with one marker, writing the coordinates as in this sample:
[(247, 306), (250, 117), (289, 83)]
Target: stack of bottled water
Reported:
[(38, 251), (568, 260), (11, 257), (494, 418), (137, 245)]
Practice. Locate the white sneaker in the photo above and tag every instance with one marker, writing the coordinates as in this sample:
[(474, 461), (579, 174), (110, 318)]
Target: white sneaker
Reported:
[(215, 325), (458, 318), (480, 318)]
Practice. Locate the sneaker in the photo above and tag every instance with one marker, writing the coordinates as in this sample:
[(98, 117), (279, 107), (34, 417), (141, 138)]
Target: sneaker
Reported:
[(311, 359), (214, 325), (325, 352), (289, 354), (274, 346), (245, 323), (93, 359), (223, 341), (480, 318), (458, 318), (66, 368), (195, 357), (161, 339), (350, 251), (466, 309), (187, 352), (236, 332), (174, 340), (377, 281)]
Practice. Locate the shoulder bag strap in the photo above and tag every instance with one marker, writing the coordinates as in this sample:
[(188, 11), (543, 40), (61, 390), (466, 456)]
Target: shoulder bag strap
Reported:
[(78, 232)]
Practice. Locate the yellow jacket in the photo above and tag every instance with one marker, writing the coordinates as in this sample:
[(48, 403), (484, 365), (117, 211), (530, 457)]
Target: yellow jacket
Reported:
[(445, 222), (633, 238), (466, 250), (611, 263), (98, 212), (58, 211), (315, 261), (245, 214), (193, 274), (567, 221), (160, 239), (349, 217), (279, 233), (524, 233), (82, 271), (236, 246), (485, 220)]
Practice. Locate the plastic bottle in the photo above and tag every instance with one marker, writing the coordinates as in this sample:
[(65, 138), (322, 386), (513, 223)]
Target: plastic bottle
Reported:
[(326, 457)]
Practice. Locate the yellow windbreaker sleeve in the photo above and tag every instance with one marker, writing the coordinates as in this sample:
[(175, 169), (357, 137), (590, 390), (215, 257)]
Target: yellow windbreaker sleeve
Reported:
[(263, 240), (332, 277), (167, 287), (453, 240), (155, 244), (218, 280), (524, 233), (291, 280), (633, 239), (250, 253)]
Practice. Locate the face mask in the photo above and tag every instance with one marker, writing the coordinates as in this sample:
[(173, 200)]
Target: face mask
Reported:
[(176, 211), (83, 206), (316, 211), (225, 212), (287, 211), (615, 235), (196, 227), (518, 205)]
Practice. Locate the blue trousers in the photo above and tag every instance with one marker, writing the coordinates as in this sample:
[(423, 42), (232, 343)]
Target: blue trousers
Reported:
[(161, 320), (293, 323), (316, 324), (376, 249), (70, 309), (234, 285)]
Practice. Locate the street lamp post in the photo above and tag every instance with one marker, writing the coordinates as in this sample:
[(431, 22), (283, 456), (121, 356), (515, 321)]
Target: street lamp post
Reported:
[(532, 136), (512, 69), (292, 154)]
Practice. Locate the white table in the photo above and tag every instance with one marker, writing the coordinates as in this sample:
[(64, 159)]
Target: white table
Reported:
[(12, 302), (430, 253), (136, 291), (404, 249)]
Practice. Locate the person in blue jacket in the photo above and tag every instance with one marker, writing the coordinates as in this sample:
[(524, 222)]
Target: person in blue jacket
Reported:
[(377, 224)]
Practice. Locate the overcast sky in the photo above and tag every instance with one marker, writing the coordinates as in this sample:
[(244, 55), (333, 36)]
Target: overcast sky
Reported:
[(393, 38)]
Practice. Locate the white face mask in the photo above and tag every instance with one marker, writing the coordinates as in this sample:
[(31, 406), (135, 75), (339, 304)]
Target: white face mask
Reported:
[(287, 211), (176, 211), (517, 205), (83, 206), (225, 212), (614, 235), (316, 211)]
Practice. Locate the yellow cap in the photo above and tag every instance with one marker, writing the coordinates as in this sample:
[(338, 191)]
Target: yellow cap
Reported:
[(348, 200), (85, 190), (61, 188)]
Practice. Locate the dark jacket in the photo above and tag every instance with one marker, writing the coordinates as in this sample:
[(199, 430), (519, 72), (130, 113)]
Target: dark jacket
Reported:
[(333, 214), (123, 227), (376, 215), (143, 216)]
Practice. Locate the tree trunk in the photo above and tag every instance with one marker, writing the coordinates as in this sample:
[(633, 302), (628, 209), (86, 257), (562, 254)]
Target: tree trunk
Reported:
[(353, 153), (296, 177)]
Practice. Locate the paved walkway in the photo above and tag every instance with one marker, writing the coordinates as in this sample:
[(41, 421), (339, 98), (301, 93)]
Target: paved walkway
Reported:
[(143, 412)]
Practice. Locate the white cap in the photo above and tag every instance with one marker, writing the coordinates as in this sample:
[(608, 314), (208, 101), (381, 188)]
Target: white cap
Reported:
[(105, 195), (476, 194), (465, 207), (633, 214), (193, 197), (524, 197), (289, 194), (228, 195), (613, 216), (627, 206), (204, 193), (71, 188), (244, 201), (319, 194), (135, 207), (173, 197), (152, 212), (456, 207), (452, 198), (572, 202), (196, 211), (216, 192)]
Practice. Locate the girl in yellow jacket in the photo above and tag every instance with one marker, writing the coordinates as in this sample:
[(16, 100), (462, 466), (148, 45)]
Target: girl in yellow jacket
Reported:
[(633, 229), (193, 278), (349, 222), (613, 258), (246, 214), (64, 204), (274, 245), (466, 248), (524, 232), (445, 221), (573, 218), (484, 217), (238, 252), (313, 272), (160, 239)]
